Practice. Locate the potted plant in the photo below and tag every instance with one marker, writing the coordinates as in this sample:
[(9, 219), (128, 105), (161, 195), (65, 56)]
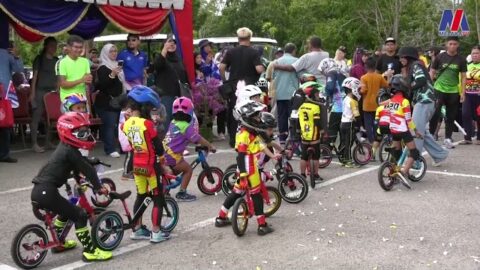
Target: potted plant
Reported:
[(208, 103)]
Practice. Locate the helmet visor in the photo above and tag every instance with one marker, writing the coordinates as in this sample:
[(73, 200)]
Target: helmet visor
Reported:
[(83, 133)]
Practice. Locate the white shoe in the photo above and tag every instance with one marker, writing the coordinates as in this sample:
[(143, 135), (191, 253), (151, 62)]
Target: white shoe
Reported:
[(186, 152), (448, 143), (437, 164), (115, 154)]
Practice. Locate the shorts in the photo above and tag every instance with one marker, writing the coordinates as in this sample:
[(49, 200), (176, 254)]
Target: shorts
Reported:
[(145, 183), (405, 136), (380, 131), (316, 153), (172, 159)]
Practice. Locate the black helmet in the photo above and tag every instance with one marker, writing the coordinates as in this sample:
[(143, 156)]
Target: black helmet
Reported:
[(383, 94), (398, 83), (408, 52), (268, 120)]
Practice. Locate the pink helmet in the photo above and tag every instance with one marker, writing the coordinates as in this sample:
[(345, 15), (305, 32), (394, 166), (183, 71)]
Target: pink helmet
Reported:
[(183, 104)]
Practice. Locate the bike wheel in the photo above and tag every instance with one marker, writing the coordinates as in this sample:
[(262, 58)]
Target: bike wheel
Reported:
[(418, 170), (293, 188), (385, 176), (210, 181), (229, 179), (170, 218), (107, 230), (231, 167), (383, 154), (362, 153), (275, 201), (325, 156), (27, 248), (312, 171), (104, 200), (240, 217)]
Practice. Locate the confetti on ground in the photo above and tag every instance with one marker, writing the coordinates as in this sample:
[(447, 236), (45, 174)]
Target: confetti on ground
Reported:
[(258, 268), (477, 187), (331, 188), (319, 203), (194, 254), (400, 247), (300, 245), (330, 241), (421, 238), (324, 209), (336, 204), (373, 221), (309, 232), (214, 262), (315, 258), (393, 226), (450, 244), (341, 234), (445, 253), (216, 193), (318, 239), (311, 212), (385, 239), (340, 225), (425, 191), (265, 262), (435, 261), (322, 229), (349, 197)]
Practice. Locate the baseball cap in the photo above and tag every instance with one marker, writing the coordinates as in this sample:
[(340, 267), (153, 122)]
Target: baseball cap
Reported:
[(390, 39)]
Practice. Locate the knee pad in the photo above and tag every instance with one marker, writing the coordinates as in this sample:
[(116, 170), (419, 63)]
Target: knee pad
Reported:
[(82, 218), (257, 199), (415, 154)]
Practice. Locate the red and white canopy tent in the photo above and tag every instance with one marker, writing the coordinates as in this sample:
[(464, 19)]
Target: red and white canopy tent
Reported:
[(35, 19)]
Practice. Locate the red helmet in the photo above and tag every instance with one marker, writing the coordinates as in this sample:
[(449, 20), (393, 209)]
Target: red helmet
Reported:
[(73, 129)]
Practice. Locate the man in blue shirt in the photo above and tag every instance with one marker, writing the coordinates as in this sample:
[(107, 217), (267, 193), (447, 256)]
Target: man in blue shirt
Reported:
[(286, 83), (135, 62), (9, 63)]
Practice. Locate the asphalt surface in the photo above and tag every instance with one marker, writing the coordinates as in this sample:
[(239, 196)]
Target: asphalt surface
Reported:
[(348, 222)]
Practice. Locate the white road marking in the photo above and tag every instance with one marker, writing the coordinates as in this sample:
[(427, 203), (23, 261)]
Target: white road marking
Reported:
[(6, 267), (455, 174)]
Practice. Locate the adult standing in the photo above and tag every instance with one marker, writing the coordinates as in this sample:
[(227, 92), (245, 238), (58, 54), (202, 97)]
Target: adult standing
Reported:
[(388, 63), (432, 53), (423, 100), (447, 68), (358, 69), (135, 62), (244, 63), (341, 60), (309, 62), (73, 71), (10, 62), (169, 70), (44, 80), (471, 104), (271, 86), (109, 86), (286, 84)]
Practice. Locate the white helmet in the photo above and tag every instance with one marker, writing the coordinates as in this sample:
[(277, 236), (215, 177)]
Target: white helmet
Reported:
[(353, 84), (247, 92), (262, 83), (245, 109), (327, 65)]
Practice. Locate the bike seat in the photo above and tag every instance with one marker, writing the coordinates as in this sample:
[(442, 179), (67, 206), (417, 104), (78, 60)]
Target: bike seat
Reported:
[(200, 148), (120, 196)]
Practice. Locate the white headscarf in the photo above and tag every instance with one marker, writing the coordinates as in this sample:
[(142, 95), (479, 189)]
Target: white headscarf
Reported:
[(104, 59)]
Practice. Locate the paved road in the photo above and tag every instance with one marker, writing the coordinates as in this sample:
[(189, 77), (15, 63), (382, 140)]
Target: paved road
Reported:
[(348, 222)]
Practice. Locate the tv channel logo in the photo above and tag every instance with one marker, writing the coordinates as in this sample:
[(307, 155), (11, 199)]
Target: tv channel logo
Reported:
[(454, 23)]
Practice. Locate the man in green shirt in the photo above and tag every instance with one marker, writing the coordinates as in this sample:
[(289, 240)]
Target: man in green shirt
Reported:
[(449, 70), (73, 71)]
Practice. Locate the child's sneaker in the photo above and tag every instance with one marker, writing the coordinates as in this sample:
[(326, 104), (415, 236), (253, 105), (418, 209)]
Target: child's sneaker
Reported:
[(97, 255), (140, 234), (264, 229), (222, 222), (159, 236), (183, 196)]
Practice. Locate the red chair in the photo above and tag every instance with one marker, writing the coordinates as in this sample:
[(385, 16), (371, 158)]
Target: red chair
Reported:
[(22, 113), (52, 110)]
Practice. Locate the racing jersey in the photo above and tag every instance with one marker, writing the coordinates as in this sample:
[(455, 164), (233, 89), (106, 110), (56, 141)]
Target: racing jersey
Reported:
[(473, 79), (179, 135), (400, 114), (308, 113), (382, 116), (140, 133), (251, 146), (350, 110)]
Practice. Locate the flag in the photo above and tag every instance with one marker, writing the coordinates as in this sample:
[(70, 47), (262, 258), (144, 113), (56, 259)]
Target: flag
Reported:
[(12, 95)]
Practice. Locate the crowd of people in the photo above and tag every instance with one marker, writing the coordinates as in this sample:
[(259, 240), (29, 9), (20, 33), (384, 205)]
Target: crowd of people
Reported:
[(313, 98)]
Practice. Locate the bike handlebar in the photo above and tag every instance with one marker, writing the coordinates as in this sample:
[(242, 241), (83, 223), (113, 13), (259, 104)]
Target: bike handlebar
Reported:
[(204, 148)]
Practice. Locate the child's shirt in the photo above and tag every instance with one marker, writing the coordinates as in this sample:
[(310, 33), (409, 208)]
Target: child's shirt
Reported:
[(140, 133), (371, 84), (349, 110), (251, 145), (179, 135), (308, 115), (382, 116), (400, 114)]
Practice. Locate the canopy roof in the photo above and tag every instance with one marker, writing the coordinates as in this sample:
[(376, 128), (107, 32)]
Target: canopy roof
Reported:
[(165, 4)]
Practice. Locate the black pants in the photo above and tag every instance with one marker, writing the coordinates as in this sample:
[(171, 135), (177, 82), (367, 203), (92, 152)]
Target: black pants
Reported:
[(221, 121), (346, 135), (334, 125), (451, 102), (47, 197), (232, 124)]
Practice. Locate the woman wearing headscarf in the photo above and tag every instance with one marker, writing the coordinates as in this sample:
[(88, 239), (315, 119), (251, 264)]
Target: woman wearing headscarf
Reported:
[(109, 86), (169, 70)]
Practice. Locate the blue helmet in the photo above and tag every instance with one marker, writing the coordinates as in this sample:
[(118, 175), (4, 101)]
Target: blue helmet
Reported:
[(144, 95)]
